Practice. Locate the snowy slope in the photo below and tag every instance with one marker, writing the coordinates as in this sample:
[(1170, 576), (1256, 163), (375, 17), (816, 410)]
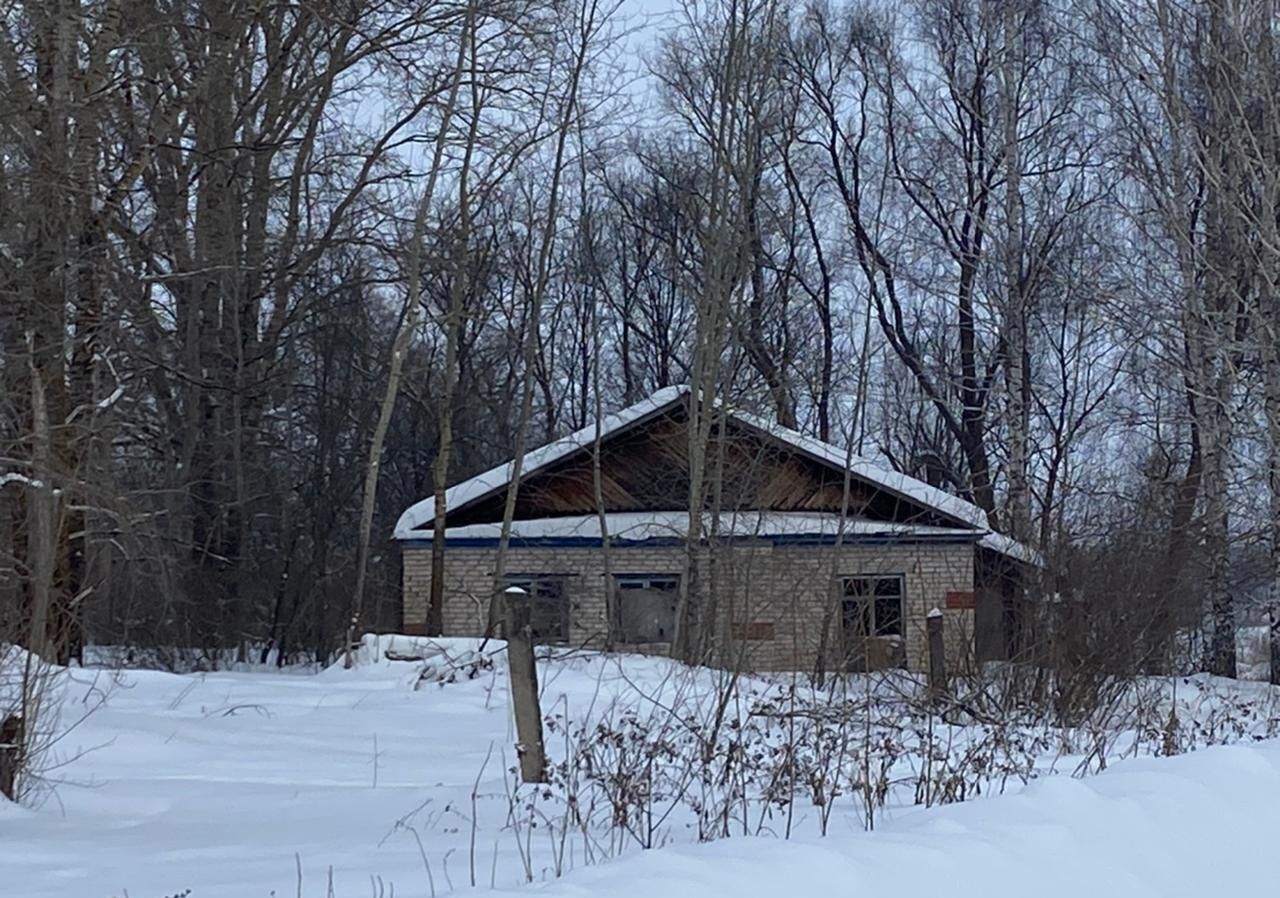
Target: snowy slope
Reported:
[(260, 783), (1195, 825)]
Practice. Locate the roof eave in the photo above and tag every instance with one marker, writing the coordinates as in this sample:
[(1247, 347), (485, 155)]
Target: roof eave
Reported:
[(784, 539)]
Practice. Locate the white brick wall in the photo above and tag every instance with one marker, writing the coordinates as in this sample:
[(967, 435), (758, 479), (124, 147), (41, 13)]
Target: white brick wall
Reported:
[(789, 587)]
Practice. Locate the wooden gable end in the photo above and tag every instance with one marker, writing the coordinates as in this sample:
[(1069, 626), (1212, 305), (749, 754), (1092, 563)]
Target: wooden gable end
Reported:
[(646, 468)]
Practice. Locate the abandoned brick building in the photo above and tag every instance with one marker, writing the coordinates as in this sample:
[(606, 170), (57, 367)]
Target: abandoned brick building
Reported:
[(812, 550)]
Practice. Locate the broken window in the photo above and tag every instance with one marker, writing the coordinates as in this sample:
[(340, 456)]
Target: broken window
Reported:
[(646, 607), (548, 605)]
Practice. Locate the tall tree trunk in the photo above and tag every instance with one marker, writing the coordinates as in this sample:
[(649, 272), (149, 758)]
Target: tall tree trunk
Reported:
[(42, 526), (1271, 387), (1222, 653), (410, 320), (1015, 312), (584, 31)]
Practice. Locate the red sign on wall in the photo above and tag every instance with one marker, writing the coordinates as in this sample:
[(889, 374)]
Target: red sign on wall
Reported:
[(962, 600)]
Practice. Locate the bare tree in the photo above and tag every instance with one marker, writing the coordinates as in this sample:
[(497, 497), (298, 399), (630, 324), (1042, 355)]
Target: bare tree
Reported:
[(579, 46), (411, 317), (716, 85)]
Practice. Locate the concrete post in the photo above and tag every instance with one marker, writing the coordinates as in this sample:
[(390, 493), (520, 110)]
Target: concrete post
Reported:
[(524, 686), (937, 657)]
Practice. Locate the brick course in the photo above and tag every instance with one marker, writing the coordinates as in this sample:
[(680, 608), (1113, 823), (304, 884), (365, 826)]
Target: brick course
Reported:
[(786, 586)]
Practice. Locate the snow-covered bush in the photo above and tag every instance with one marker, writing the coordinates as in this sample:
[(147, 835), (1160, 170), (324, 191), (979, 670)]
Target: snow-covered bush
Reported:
[(708, 757)]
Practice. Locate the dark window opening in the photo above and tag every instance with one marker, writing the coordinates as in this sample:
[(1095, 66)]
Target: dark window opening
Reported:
[(871, 617), (646, 607), (548, 606)]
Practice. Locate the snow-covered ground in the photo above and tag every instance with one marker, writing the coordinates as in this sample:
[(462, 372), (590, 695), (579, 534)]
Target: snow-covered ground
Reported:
[(1194, 825), (354, 782)]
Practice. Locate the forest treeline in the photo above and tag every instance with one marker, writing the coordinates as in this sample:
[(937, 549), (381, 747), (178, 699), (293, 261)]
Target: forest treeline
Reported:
[(272, 270)]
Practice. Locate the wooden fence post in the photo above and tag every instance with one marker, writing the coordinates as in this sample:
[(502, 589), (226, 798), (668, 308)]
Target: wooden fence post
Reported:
[(937, 657), (524, 687)]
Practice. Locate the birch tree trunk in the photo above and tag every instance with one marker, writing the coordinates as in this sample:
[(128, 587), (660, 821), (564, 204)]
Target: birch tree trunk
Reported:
[(612, 598), (1271, 390), (722, 247), (410, 320), (1015, 312), (1218, 436), (452, 326), (1225, 289), (1183, 132), (586, 23), (1267, 225), (1256, 105)]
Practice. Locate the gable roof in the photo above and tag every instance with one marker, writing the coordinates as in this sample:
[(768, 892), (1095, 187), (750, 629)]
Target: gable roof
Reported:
[(884, 479), (496, 479)]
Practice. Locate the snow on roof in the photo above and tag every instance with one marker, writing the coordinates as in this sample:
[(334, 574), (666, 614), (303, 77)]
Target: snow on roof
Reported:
[(494, 479), (1007, 545), (635, 526), (885, 479)]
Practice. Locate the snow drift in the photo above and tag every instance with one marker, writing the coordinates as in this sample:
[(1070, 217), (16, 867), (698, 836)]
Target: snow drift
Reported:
[(1194, 825), (397, 774)]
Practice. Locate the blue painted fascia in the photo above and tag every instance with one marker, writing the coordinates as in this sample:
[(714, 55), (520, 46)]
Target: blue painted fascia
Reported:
[(593, 542)]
